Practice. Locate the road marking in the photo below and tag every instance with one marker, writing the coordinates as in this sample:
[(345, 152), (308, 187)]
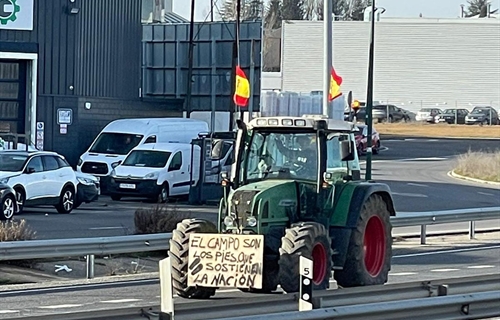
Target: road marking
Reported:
[(402, 273), (424, 159), (480, 267), (9, 311), (445, 251), (486, 193), (414, 195), (121, 301), (444, 270), (105, 228), (417, 184), (61, 306)]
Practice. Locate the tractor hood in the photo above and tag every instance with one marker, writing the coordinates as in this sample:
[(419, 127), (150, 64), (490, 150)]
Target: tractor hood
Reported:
[(265, 200)]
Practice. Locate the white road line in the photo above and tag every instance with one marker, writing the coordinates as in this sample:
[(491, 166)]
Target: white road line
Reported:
[(444, 270), (480, 267), (414, 195), (61, 306), (105, 228), (486, 193), (444, 251), (402, 273), (121, 301), (417, 184), (9, 311)]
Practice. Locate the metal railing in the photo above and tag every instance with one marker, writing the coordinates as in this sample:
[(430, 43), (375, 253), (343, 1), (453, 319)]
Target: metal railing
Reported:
[(435, 299), (90, 247), (423, 219)]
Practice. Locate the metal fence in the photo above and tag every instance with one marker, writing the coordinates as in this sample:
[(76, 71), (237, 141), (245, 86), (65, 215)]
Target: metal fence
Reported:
[(89, 247)]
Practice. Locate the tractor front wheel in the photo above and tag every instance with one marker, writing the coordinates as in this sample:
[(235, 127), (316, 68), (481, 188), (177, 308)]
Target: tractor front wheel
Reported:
[(311, 240), (369, 254), (179, 255)]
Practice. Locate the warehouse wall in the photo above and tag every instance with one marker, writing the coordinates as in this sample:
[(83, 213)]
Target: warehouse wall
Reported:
[(418, 62)]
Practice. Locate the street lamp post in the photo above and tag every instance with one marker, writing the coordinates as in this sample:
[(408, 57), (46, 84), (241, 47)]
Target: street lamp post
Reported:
[(369, 96), (327, 52)]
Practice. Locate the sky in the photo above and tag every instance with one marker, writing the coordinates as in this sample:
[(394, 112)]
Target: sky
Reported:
[(394, 8)]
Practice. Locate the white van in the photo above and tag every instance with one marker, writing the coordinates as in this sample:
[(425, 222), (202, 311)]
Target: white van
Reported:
[(156, 171), (119, 137)]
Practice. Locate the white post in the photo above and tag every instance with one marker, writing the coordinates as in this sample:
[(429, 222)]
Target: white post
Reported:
[(167, 299), (328, 53), (306, 286)]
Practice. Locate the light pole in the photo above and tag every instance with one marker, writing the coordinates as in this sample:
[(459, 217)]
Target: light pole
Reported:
[(369, 96), (327, 52)]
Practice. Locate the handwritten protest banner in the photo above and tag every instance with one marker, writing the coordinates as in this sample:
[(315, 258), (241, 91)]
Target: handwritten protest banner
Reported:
[(223, 260)]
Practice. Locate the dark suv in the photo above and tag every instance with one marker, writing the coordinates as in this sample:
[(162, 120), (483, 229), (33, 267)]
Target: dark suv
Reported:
[(482, 115)]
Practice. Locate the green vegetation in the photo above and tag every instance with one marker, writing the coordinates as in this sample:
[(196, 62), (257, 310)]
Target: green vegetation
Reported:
[(16, 231), (158, 219), (480, 165)]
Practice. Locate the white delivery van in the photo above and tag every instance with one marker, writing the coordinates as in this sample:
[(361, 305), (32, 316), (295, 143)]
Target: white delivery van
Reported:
[(156, 171), (119, 137)]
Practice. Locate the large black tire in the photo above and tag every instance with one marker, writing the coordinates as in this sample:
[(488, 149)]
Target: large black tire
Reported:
[(66, 200), (368, 259), (311, 240), (8, 207), (270, 278), (179, 255)]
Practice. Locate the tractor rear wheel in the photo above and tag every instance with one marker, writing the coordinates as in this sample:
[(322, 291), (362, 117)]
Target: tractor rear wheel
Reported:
[(311, 240), (369, 254), (179, 255)]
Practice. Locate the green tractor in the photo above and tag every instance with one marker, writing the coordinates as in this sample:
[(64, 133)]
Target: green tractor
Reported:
[(297, 182)]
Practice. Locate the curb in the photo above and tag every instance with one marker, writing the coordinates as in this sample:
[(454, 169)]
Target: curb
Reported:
[(457, 176)]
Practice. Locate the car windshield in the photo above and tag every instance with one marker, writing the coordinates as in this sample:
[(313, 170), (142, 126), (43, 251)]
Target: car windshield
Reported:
[(380, 107), (426, 110), (115, 143), (147, 158), (481, 110), (452, 111), (274, 155), (12, 162)]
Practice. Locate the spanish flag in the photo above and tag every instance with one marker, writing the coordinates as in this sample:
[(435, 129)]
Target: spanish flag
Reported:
[(242, 90), (335, 83)]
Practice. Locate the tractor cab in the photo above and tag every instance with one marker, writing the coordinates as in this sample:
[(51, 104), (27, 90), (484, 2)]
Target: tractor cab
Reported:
[(285, 169)]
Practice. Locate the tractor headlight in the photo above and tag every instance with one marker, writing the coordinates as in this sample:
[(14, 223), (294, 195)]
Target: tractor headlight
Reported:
[(229, 221), (251, 221)]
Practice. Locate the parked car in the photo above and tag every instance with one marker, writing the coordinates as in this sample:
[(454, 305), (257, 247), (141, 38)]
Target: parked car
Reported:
[(361, 136), (482, 115), (39, 178), (8, 203), (156, 171), (448, 116), (88, 189), (428, 114), (389, 113)]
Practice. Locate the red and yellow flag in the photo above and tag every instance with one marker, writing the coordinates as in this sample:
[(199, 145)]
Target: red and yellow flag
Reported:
[(242, 90), (335, 83)]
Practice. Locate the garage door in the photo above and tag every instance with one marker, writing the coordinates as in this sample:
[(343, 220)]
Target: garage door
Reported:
[(12, 96)]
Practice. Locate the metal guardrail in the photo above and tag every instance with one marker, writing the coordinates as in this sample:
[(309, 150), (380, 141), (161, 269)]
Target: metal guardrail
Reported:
[(468, 306), (89, 247), (423, 219), (409, 297)]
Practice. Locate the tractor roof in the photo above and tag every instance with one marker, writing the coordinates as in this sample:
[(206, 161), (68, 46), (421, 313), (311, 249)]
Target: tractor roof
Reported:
[(304, 122)]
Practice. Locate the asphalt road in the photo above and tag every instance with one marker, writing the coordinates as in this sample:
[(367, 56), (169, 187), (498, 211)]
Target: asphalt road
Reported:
[(415, 169), (411, 262)]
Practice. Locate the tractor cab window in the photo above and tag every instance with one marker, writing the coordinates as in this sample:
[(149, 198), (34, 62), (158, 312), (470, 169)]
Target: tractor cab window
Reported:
[(274, 155), (334, 163)]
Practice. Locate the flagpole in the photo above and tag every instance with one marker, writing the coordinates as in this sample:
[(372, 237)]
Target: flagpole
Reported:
[(369, 96), (238, 18), (327, 52)]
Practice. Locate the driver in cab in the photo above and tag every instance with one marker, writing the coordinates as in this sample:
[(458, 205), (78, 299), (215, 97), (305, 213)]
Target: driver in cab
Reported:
[(303, 158)]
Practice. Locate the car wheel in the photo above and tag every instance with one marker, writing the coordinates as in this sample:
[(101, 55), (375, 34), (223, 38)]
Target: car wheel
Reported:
[(20, 198), (163, 195), (8, 207), (66, 201)]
